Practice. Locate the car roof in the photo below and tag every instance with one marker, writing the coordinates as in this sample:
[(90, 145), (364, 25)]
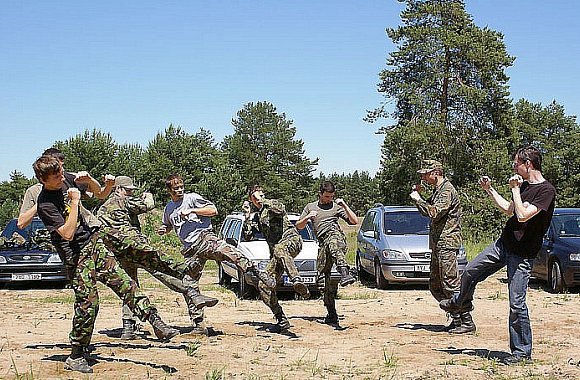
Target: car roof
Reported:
[(566, 211), (391, 208), (240, 215)]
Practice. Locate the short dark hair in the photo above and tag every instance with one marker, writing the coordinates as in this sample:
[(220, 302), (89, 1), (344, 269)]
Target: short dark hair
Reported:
[(253, 188), (45, 166), (532, 154), (327, 187), (54, 152), (173, 179)]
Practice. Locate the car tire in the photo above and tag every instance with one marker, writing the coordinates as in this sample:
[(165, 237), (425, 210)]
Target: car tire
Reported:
[(245, 290), (555, 278), (380, 280), (224, 279)]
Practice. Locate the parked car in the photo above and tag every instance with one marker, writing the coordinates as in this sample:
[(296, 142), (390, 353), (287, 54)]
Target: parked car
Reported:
[(24, 257), (558, 261), (257, 250), (393, 246)]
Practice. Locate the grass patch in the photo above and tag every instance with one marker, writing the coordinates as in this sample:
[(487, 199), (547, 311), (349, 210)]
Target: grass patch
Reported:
[(474, 248)]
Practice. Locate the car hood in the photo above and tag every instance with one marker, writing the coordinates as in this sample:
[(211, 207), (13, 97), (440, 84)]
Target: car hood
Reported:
[(572, 243), (259, 250), (408, 243)]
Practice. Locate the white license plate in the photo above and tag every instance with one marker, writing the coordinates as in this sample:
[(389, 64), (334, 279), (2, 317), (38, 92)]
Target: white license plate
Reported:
[(306, 280), (421, 268), (26, 276)]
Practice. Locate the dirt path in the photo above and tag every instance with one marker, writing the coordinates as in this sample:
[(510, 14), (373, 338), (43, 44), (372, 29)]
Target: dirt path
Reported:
[(386, 335)]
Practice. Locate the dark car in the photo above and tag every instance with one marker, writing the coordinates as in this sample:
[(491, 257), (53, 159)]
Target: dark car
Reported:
[(558, 261), (393, 246), (26, 255)]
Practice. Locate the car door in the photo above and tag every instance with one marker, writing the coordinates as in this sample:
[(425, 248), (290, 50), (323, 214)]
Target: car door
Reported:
[(367, 240), (540, 267)]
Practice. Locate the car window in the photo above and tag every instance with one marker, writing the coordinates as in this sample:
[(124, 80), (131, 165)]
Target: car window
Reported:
[(234, 230), (224, 228), (368, 223), (567, 225), (307, 233), (405, 223)]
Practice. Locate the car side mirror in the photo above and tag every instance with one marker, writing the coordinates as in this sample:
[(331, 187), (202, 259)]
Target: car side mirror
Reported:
[(370, 234), (232, 241)]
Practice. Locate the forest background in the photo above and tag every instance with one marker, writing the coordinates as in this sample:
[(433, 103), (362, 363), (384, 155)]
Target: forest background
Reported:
[(446, 97)]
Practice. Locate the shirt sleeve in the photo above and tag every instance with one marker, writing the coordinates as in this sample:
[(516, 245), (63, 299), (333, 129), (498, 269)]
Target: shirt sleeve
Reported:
[(544, 198)]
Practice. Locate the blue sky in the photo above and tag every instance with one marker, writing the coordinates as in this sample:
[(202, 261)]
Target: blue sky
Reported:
[(130, 68)]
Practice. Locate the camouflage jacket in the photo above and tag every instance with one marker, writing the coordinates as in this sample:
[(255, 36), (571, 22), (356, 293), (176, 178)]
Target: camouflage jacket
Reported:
[(444, 209), (120, 213), (271, 220)]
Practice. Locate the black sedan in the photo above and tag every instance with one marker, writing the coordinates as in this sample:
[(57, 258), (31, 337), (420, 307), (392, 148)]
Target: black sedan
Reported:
[(26, 255), (558, 261)]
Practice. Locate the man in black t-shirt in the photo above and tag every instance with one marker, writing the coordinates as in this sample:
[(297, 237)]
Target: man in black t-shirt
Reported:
[(530, 211), (87, 260)]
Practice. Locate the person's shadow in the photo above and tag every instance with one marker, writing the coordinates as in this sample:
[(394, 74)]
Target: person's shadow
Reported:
[(479, 352), (421, 326), (268, 327)]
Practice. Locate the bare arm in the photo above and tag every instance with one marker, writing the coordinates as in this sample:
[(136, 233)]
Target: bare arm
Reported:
[(25, 218), (352, 218), (523, 212), (68, 229), (94, 186), (301, 223), (503, 204)]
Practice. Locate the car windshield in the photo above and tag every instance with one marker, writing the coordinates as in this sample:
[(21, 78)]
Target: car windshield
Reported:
[(406, 223), (12, 229), (567, 225)]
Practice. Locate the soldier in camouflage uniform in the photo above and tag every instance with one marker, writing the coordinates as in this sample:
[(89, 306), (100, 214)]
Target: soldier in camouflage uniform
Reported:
[(324, 215), (88, 260), (121, 232), (189, 215), (444, 209), (269, 217)]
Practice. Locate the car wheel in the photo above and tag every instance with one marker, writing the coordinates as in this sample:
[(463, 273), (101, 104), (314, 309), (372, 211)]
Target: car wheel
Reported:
[(380, 280), (245, 290), (555, 279), (223, 278)]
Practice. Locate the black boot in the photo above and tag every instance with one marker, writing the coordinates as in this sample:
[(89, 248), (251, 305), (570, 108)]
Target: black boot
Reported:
[(455, 322), (200, 300), (128, 330), (161, 330), (467, 324), (332, 316), (345, 277), (283, 324), (300, 288), (268, 280)]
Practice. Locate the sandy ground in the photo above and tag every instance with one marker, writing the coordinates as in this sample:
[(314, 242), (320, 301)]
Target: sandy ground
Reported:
[(385, 334)]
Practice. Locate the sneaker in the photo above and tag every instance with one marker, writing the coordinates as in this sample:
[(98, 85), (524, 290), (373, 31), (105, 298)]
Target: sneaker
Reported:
[(78, 364), (514, 360)]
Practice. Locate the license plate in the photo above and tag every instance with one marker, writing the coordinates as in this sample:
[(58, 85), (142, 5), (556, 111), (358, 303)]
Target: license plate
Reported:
[(26, 276), (421, 268), (306, 280)]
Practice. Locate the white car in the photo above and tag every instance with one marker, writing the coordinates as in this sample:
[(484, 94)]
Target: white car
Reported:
[(257, 251)]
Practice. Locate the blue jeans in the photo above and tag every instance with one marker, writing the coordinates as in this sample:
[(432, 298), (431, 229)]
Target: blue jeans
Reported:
[(492, 259)]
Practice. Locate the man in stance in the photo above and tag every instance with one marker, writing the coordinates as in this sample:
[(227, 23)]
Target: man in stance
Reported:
[(269, 217), (189, 214), (444, 209), (121, 233), (530, 210), (324, 215), (87, 260)]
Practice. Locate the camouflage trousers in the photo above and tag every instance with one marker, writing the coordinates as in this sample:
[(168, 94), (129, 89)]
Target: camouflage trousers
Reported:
[(444, 278), (283, 256), (332, 250), (208, 247), (96, 263), (133, 251)]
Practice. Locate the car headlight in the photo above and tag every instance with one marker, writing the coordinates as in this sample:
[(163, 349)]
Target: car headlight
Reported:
[(2, 260), (391, 254), (575, 257), (54, 258)]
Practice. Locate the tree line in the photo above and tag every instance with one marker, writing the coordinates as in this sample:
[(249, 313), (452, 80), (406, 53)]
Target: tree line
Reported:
[(446, 97)]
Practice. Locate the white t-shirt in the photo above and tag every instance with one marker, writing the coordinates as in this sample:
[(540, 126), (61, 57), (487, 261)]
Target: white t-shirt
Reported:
[(187, 228)]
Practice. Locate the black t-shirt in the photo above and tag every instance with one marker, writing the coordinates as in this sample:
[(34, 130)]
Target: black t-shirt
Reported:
[(53, 209), (525, 238)]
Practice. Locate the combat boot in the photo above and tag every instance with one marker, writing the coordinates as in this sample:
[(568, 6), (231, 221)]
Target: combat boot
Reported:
[(266, 279), (283, 323), (79, 364), (467, 324), (300, 288), (199, 327), (200, 300), (128, 330), (161, 330), (455, 322), (345, 277), (332, 316)]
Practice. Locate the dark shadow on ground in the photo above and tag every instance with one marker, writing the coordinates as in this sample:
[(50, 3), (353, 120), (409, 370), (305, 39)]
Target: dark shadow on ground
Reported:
[(268, 327), (320, 320), (480, 352), (420, 326)]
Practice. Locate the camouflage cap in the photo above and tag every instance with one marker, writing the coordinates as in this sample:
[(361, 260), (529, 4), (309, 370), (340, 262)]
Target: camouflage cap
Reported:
[(124, 181), (429, 165)]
